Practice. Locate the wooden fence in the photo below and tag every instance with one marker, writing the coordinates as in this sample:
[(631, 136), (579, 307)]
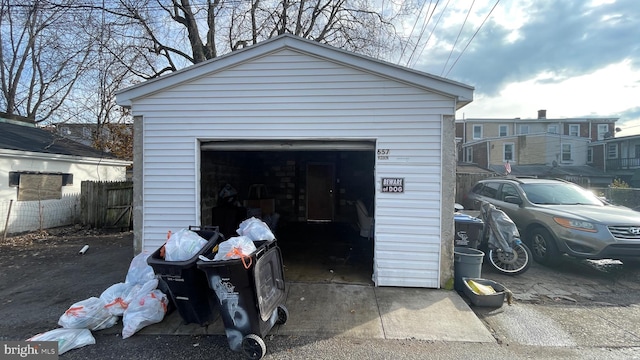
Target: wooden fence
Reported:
[(107, 204)]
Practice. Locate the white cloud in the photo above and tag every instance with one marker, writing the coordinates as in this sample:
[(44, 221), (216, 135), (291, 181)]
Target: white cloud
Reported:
[(606, 92)]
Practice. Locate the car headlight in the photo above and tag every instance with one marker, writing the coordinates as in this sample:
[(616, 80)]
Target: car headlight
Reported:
[(576, 224)]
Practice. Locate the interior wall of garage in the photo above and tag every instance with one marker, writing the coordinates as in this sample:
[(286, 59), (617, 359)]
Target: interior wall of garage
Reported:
[(283, 174)]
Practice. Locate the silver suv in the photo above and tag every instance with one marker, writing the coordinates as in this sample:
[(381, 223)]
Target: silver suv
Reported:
[(556, 217)]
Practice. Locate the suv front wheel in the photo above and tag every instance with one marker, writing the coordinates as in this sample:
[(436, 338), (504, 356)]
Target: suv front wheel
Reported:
[(543, 246)]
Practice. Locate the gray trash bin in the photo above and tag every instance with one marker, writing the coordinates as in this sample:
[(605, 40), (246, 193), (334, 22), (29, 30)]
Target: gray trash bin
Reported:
[(467, 262)]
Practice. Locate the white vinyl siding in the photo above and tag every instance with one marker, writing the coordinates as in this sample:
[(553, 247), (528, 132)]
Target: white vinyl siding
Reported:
[(290, 95), (524, 129)]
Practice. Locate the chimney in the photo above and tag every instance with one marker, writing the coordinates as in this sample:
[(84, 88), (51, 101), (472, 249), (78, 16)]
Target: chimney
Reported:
[(542, 114)]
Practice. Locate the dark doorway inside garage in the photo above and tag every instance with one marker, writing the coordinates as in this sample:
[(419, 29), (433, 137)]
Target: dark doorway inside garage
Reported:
[(317, 246)]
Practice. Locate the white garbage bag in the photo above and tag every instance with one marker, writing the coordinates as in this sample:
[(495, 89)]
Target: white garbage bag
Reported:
[(235, 248), (67, 338), (89, 314), (255, 229), (146, 309), (118, 296), (183, 245), (139, 271)]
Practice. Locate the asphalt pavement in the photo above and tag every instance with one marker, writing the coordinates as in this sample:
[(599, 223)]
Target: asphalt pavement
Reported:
[(580, 310)]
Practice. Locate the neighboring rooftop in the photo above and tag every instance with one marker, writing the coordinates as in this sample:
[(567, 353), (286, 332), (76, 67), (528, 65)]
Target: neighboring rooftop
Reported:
[(23, 135)]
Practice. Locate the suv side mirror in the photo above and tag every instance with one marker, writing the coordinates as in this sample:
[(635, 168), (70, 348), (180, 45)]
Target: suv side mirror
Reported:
[(513, 200)]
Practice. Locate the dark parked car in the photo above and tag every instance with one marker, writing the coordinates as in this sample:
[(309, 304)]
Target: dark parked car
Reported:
[(557, 216)]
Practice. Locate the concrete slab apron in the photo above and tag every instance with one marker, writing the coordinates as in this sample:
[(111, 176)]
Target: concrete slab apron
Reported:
[(428, 314), (360, 311), (331, 310)]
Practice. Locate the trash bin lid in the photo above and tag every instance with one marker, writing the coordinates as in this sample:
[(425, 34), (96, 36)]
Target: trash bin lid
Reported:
[(464, 218)]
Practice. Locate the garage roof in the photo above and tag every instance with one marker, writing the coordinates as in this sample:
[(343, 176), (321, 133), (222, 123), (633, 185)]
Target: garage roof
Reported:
[(461, 92), (31, 139)]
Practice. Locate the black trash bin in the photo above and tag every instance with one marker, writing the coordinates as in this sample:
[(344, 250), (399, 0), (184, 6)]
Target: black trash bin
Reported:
[(468, 230), (187, 287), (251, 295)]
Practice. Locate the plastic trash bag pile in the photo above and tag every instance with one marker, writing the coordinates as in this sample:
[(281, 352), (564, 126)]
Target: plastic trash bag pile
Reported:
[(242, 246), (137, 300)]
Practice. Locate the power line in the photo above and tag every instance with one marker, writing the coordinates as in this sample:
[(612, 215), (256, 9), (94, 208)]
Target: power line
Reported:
[(404, 48), (458, 37), (424, 27), (474, 35), (434, 28)]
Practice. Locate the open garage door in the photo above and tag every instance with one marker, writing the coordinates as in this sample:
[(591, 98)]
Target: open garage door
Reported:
[(308, 191)]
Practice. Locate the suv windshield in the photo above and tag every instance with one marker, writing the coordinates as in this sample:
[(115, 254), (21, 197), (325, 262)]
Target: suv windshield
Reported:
[(559, 194)]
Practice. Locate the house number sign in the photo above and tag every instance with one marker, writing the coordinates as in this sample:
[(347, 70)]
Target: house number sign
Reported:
[(392, 185), (383, 154)]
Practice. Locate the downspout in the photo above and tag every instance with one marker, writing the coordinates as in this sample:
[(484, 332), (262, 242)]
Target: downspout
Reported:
[(604, 156), (488, 153)]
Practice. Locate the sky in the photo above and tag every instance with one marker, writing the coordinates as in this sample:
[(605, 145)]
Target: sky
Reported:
[(572, 58)]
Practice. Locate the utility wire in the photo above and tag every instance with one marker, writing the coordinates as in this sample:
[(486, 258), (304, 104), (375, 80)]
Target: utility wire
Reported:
[(404, 48), (424, 27), (474, 35), (434, 28), (458, 37)]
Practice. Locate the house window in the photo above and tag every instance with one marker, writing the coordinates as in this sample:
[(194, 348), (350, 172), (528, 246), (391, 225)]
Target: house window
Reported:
[(507, 152), (524, 129), (86, 132), (612, 151), (637, 148), (503, 130), (589, 155), (552, 128), (65, 130), (602, 130), (574, 130), (566, 152), (477, 131), (468, 154)]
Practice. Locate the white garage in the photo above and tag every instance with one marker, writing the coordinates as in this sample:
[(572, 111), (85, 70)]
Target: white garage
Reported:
[(318, 131)]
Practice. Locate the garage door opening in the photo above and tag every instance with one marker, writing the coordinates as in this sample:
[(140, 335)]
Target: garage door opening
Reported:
[(308, 193)]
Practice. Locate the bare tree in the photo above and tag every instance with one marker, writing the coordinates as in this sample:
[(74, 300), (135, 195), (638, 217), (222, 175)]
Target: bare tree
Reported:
[(83, 51), (42, 57), (171, 34)]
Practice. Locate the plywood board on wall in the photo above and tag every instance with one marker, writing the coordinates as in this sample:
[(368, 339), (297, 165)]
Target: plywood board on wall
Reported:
[(39, 187)]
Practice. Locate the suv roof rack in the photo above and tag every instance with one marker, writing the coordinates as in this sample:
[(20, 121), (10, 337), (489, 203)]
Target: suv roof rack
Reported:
[(515, 178)]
